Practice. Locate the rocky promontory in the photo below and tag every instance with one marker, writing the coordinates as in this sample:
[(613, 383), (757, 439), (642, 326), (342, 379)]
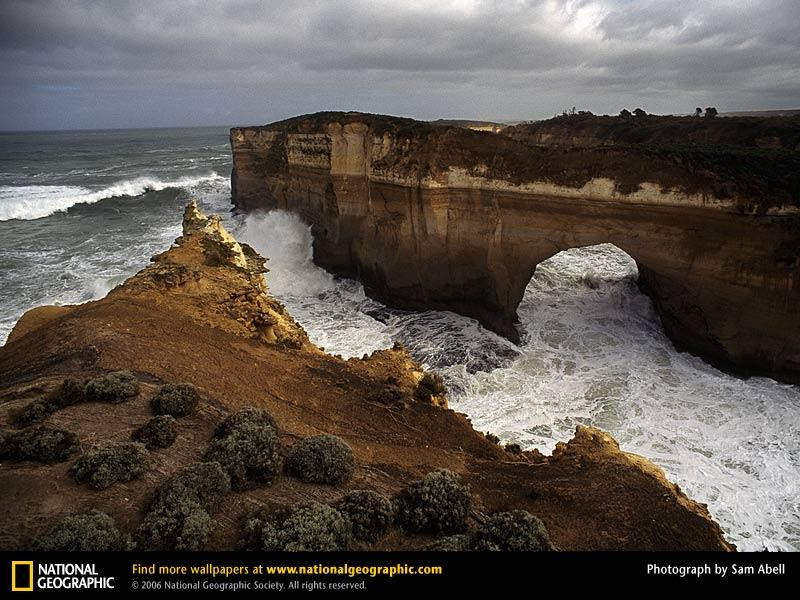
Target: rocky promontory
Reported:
[(443, 217), (187, 409)]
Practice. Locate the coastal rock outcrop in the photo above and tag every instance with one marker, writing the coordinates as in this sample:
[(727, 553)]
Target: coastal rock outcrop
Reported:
[(438, 217), (201, 316)]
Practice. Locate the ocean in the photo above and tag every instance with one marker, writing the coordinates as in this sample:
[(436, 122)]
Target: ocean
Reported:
[(82, 211)]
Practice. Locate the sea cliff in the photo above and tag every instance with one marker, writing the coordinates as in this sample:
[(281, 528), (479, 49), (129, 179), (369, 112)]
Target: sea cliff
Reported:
[(443, 217), (201, 315)]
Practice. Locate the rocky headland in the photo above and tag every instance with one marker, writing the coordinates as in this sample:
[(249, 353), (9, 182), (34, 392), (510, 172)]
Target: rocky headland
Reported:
[(434, 216), (260, 439)]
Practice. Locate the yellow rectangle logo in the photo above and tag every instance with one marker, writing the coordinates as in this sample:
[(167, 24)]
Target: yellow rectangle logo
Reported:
[(18, 564)]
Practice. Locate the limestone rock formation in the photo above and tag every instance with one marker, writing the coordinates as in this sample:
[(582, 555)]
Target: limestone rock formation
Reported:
[(201, 315), (449, 218)]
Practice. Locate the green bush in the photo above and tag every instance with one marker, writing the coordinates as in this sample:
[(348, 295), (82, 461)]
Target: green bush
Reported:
[(321, 459), (452, 543), (429, 386), (103, 466), (438, 503), (179, 517), (517, 530), (157, 432), (91, 531), (176, 400), (311, 528), (250, 454), (119, 386), (43, 443), (370, 513), (246, 416)]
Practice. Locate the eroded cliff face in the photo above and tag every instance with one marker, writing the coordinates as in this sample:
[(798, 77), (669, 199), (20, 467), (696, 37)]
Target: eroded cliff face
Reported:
[(202, 314), (447, 218)]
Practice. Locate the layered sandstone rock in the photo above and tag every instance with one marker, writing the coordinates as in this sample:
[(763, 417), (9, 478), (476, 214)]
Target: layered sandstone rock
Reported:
[(447, 218), (202, 314)]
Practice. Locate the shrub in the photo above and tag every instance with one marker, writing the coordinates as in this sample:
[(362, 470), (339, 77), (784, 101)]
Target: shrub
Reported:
[(179, 517), (370, 513), (103, 466), (311, 528), (83, 532), (70, 392), (158, 432), (183, 525), (492, 438), (438, 503), (205, 483), (452, 543), (517, 530), (43, 443), (176, 400), (514, 448), (34, 412), (246, 416), (429, 386), (249, 454), (321, 459), (119, 386)]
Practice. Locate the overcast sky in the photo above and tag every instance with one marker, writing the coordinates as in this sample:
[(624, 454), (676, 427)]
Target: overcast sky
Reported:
[(82, 64)]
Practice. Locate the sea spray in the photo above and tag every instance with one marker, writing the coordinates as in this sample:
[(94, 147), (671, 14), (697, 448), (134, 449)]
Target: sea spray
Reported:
[(593, 352), (37, 201), (593, 349)]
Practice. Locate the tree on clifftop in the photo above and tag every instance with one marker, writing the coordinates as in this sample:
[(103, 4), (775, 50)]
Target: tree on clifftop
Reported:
[(625, 113), (711, 112), (639, 113), (698, 111)]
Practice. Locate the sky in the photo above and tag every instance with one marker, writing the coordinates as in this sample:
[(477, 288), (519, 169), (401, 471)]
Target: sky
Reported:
[(76, 64)]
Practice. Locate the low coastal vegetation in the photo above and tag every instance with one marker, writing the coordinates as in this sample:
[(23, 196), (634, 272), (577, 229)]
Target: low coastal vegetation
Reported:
[(312, 527), (42, 443), (430, 386), (248, 449), (321, 459), (179, 517), (115, 387), (370, 513), (175, 400), (439, 503), (516, 530), (70, 392), (90, 531), (103, 466), (160, 431)]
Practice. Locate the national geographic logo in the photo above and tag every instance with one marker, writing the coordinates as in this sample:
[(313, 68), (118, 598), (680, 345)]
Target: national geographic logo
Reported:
[(27, 576), (21, 575)]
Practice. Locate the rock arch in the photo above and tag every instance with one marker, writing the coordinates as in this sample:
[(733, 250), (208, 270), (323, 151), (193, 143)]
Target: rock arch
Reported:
[(448, 219)]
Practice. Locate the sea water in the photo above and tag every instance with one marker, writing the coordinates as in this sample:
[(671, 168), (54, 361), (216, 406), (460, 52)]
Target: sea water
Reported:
[(81, 211)]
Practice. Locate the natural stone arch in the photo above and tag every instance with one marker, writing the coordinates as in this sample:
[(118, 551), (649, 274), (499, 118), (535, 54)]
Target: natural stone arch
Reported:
[(428, 220)]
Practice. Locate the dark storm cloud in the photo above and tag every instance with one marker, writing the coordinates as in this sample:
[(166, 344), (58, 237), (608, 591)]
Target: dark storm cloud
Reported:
[(104, 64)]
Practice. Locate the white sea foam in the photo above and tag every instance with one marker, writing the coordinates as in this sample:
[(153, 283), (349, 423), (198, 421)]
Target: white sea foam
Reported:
[(37, 201), (593, 352), (311, 292)]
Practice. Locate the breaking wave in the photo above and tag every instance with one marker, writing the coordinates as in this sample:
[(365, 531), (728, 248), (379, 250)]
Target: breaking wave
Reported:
[(37, 201)]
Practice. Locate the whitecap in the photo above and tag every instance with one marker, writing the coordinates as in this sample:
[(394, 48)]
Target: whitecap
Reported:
[(37, 201)]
